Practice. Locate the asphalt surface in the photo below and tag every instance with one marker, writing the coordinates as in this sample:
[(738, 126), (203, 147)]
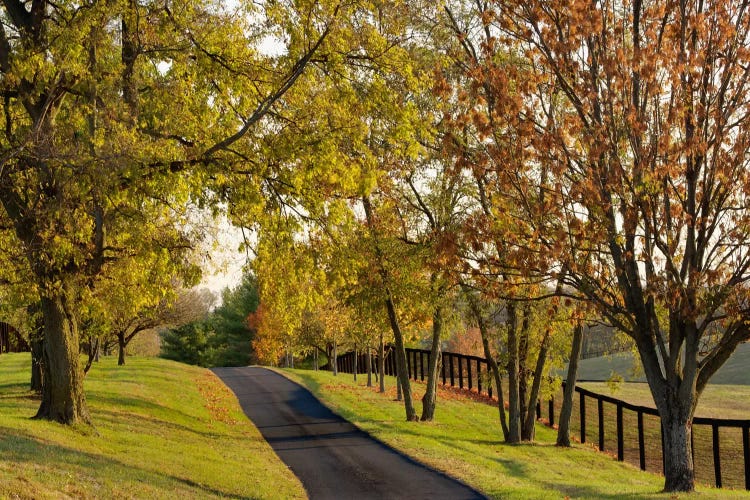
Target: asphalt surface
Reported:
[(332, 458)]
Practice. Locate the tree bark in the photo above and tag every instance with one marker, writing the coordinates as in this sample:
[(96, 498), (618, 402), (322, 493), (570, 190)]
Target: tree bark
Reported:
[(63, 399), (381, 363), (335, 360), (121, 348), (679, 472), (355, 362), (37, 364), (529, 424), (369, 367), (401, 366), (514, 405), (563, 429), (491, 361), (430, 396)]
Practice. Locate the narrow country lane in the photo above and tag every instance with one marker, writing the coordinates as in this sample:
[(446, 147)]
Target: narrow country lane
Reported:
[(332, 458)]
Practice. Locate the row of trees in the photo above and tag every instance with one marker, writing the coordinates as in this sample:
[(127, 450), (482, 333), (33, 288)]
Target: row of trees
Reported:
[(526, 152), (512, 152)]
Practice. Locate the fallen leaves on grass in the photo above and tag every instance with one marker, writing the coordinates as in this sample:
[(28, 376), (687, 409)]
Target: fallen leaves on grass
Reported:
[(216, 396)]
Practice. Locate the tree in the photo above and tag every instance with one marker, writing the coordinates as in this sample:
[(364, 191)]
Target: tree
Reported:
[(637, 111), (233, 335), (92, 131)]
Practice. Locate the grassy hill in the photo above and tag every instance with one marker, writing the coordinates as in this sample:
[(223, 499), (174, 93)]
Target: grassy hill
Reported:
[(734, 372), (162, 430), (465, 441)]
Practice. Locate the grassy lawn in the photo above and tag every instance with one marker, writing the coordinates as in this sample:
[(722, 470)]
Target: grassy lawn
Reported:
[(733, 372), (717, 401), (465, 442), (162, 430)]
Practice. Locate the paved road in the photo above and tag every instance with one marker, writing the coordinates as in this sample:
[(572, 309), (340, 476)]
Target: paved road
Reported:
[(332, 458)]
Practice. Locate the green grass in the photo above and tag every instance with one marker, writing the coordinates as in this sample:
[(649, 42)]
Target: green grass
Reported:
[(465, 442), (161, 430), (717, 400), (734, 371)]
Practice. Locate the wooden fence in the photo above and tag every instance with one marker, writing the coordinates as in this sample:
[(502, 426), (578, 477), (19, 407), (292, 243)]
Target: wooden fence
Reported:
[(636, 428)]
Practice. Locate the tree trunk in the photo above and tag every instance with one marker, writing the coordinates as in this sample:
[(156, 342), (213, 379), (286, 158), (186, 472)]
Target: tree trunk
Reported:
[(335, 360), (400, 353), (37, 364), (563, 429), (529, 423), (93, 354), (63, 399), (491, 361), (355, 362), (369, 367), (381, 363), (430, 396), (679, 472), (514, 405), (401, 367), (121, 348)]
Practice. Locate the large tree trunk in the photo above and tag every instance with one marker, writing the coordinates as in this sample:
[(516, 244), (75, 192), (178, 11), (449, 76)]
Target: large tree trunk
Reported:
[(63, 399), (514, 403), (430, 396), (679, 472), (563, 429)]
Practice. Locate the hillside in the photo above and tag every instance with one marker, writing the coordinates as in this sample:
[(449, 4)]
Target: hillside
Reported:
[(734, 372), (162, 430)]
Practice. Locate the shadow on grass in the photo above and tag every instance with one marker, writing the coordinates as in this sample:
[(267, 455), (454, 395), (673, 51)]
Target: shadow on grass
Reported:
[(21, 448)]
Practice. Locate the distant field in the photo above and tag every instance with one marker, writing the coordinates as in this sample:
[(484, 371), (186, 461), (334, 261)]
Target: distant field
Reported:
[(736, 371), (717, 401), (162, 430)]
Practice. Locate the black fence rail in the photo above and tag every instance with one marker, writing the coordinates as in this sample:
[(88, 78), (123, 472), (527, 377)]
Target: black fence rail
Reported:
[(721, 447)]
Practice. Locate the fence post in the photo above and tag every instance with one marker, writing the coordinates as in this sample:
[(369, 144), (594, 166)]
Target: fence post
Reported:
[(442, 368), (460, 372), (538, 409), (479, 376), (468, 371), (717, 457), (421, 365), (620, 444), (582, 415), (641, 443), (451, 372), (600, 407)]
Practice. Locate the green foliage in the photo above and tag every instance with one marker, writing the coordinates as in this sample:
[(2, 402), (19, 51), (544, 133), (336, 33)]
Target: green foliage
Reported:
[(188, 343), (221, 339), (231, 336)]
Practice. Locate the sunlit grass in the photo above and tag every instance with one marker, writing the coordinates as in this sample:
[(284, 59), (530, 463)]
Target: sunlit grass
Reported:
[(465, 441), (161, 430)]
